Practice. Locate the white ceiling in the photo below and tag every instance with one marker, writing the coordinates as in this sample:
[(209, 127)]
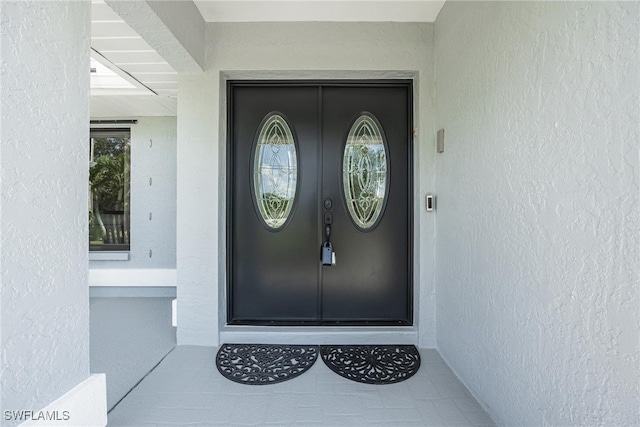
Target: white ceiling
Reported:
[(118, 47), (154, 82), (315, 10)]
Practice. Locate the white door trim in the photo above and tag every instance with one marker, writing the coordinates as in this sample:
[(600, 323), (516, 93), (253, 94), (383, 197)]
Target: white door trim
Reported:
[(313, 335)]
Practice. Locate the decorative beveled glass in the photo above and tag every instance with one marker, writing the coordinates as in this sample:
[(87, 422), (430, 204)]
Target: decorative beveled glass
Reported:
[(365, 172), (275, 171)]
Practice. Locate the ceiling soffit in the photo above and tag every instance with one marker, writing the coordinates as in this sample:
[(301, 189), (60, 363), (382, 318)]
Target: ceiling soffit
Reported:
[(118, 47), (123, 50), (315, 10)]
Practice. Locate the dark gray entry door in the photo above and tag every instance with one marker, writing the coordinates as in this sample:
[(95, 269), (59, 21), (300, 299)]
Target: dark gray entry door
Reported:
[(307, 161)]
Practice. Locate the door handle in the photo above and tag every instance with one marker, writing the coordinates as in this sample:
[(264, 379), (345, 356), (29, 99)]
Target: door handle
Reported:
[(327, 255)]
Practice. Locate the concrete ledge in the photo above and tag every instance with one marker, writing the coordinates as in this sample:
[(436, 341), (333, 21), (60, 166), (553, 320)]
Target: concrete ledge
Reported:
[(155, 277), (318, 335), (85, 405), (132, 292), (109, 256)]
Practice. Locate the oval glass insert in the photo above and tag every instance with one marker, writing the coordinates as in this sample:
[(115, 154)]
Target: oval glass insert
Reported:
[(364, 171), (275, 171)]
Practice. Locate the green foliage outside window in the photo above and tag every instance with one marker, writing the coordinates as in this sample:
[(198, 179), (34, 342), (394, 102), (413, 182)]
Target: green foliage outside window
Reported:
[(109, 174)]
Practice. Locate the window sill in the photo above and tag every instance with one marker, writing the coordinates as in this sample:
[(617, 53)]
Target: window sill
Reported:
[(109, 256)]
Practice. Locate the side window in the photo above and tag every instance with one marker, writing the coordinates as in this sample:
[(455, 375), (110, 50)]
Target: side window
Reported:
[(109, 189)]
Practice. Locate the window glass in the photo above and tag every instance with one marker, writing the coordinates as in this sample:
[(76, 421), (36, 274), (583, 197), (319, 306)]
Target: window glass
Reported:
[(109, 189), (365, 172), (275, 171)]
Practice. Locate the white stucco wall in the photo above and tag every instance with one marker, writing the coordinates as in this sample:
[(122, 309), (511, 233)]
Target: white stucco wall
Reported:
[(43, 200), (538, 215), (153, 155), (290, 50)]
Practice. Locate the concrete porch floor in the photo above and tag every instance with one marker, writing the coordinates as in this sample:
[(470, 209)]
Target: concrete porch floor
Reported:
[(187, 389)]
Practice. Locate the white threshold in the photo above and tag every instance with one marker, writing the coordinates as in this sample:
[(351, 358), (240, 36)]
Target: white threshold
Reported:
[(309, 335)]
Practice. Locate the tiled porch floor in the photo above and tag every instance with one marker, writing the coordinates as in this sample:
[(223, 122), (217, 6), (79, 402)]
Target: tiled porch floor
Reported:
[(187, 389)]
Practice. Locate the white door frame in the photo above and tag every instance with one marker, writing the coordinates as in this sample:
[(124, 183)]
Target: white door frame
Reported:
[(317, 334)]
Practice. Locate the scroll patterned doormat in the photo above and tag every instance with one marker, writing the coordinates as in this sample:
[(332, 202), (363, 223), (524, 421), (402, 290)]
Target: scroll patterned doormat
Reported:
[(372, 364), (258, 364)]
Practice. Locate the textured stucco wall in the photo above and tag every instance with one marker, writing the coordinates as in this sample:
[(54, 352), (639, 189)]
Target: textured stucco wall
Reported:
[(156, 160), (537, 223), (292, 50), (43, 183)]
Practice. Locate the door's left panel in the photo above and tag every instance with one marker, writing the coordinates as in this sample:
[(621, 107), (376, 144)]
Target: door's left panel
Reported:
[(274, 266)]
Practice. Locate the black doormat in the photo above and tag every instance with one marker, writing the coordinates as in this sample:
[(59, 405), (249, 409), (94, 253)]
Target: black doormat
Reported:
[(372, 364), (258, 364)]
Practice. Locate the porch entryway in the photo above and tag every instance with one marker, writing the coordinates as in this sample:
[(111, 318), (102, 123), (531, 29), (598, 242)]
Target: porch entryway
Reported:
[(187, 389)]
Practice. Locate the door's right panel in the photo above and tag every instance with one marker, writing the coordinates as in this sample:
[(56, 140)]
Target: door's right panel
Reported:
[(370, 281)]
